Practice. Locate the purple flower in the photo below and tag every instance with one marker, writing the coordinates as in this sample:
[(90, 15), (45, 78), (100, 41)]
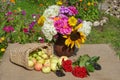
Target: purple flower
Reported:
[(23, 12), (62, 15), (31, 25), (65, 10), (79, 21), (73, 10), (8, 29)]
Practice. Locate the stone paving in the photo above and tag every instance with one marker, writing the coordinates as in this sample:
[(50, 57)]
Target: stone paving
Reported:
[(111, 7)]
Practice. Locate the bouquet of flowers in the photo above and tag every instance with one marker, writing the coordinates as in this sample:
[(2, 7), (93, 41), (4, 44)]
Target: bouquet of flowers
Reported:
[(62, 20)]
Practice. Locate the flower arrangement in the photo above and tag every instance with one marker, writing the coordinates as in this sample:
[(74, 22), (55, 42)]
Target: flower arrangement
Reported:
[(61, 20)]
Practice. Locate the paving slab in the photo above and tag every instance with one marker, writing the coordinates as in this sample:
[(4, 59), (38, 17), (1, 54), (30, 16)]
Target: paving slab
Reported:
[(108, 60)]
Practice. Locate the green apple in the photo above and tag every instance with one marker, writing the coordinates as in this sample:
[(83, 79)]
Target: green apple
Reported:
[(54, 60), (38, 58), (46, 69), (30, 63), (35, 55), (47, 63), (53, 66), (40, 53), (44, 56), (41, 61)]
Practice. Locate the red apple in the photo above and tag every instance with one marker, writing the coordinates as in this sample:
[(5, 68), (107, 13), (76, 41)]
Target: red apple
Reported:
[(38, 66)]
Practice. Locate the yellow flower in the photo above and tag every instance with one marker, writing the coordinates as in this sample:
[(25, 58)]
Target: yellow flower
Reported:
[(2, 49), (74, 39), (79, 26), (41, 20), (88, 3), (2, 38), (72, 21), (12, 1), (59, 3)]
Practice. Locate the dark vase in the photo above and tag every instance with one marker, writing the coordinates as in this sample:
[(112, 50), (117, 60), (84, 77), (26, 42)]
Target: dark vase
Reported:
[(61, 49)]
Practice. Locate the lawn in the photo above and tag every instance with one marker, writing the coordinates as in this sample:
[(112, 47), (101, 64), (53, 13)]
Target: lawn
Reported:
[(108, 33)]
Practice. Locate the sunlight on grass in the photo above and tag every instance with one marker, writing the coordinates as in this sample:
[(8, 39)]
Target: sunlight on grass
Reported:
[(110, 34)]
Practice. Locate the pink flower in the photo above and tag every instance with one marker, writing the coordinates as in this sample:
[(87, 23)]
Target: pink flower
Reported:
[(8, 29), (62, 26), (25, 30), (42, 40), (8, 13)]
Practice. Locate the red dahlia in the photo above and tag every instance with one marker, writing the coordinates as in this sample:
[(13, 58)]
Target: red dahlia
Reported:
[(80, 72)]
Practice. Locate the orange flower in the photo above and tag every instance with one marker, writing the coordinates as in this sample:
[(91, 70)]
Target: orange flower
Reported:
[(14, 11), (41, 5), (80, 0), (12, 1)]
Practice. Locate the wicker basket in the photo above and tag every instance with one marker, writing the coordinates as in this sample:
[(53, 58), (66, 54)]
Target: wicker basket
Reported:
[(19, 52)]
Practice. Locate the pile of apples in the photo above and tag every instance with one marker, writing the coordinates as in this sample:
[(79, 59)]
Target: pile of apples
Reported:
[(40, 61)]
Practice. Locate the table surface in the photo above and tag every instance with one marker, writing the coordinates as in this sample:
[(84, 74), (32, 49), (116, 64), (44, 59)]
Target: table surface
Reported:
[(108, 60)]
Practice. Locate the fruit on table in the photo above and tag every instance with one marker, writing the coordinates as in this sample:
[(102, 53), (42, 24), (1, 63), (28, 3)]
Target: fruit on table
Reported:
[(38, 66), (40, 61), (53, 66), (47, 63), (30, 63), (46, 69)]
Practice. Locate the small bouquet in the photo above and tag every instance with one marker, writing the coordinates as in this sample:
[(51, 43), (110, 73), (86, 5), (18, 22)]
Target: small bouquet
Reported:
[(62, 21)]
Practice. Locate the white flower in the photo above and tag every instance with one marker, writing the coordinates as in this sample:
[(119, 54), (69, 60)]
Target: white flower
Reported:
[(48, 29), (86, 28), (51, 11), (96, 23)]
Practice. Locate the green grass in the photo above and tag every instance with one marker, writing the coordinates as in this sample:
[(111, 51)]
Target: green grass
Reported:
[(109, 34)]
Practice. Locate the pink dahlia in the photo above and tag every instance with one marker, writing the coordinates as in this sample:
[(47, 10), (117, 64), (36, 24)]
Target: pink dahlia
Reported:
[(62, 26), (8, 29)]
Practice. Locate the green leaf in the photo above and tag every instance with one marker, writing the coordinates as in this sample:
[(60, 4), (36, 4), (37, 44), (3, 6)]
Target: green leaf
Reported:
[(89, 67), (83, 59), (94, 59)]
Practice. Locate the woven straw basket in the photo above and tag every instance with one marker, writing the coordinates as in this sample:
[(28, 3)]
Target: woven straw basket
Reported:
[(19, 52)]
